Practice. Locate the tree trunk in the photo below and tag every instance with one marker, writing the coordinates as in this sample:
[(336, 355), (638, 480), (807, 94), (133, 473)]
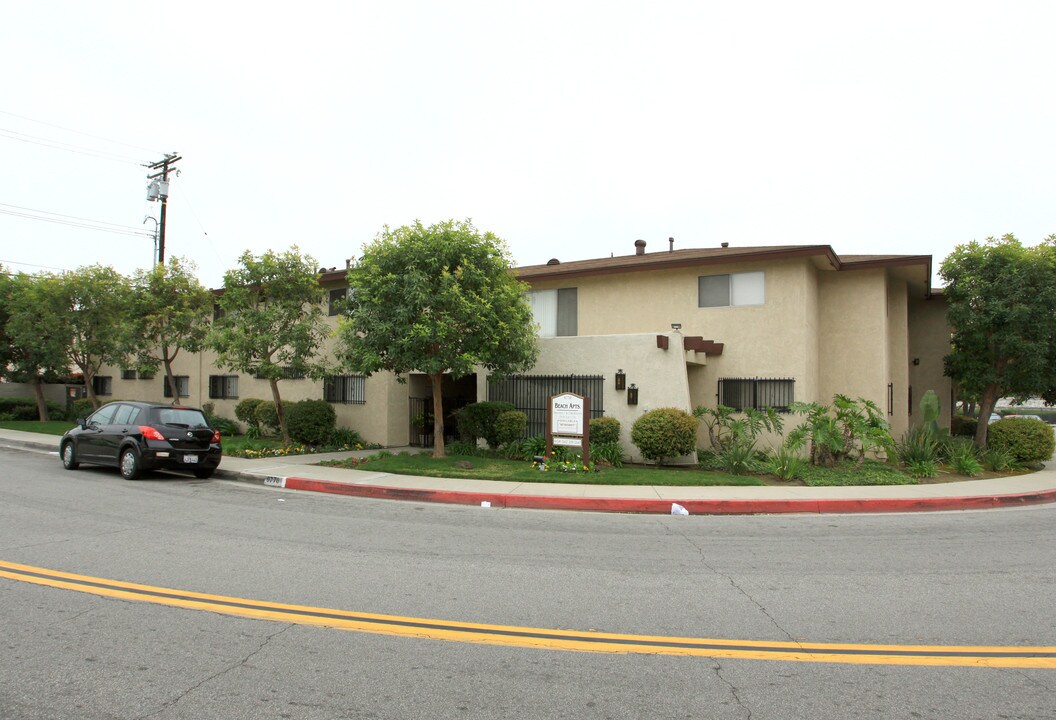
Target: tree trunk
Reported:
[(987, 403), (171, 379), (279, 411), (38, 392), (438, 415), (90, 389)]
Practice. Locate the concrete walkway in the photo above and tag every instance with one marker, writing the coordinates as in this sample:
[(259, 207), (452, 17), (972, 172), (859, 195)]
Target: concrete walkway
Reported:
[(300, 472)]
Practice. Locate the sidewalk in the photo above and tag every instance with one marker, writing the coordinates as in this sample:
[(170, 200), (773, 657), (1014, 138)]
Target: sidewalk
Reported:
[(299, 472)]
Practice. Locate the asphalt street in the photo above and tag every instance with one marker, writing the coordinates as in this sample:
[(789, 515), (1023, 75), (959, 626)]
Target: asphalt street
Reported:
[(938, 579)]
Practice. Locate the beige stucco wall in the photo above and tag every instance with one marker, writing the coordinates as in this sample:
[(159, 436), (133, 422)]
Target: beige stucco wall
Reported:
[(776, 339), (659, 374), (852, 331), (929, 342), (898, 355)]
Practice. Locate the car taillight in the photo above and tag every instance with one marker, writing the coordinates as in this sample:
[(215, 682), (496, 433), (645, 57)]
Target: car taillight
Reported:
[(150, 433), (216, 436)]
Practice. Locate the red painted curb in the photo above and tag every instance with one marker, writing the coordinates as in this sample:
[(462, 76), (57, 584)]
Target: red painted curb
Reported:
[(657, 506)]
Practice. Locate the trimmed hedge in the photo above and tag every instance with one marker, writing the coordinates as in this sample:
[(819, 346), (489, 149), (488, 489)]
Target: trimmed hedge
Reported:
[(1028, 441), (267, 416), (26, 409), (604, 430), (963, 426), (477, 420), (246, 411), (311, 422), (510, 426), (665, 433)]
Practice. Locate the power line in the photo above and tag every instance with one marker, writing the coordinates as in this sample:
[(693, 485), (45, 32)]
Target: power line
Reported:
[(57, 145), (78, 132), (72, 221)]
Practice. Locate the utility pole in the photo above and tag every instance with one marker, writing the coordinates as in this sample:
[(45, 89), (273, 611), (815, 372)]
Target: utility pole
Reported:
[(159, 190)]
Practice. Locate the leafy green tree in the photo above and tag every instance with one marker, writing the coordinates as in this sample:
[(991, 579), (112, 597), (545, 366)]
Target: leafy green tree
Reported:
[(170, 313), (1001, 301), (272, 319), (438, 299), (30, 355), (87, 311)]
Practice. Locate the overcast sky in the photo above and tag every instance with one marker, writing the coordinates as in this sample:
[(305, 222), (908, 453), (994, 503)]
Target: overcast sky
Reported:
[(569, 129)]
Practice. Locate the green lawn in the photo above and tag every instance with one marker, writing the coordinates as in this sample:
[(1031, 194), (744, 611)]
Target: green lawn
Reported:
[(52, 427), (484, 468)]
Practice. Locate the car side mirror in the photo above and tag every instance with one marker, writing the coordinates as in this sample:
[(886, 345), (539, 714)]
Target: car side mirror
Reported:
[(82, 423)]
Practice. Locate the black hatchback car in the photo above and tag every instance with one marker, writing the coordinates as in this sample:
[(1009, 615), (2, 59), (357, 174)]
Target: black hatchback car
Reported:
[(137, 436)]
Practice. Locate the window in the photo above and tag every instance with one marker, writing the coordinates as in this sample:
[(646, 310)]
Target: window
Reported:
[(555, 311), (128, 374), (347, 389), (103, 385), (758, 393), (223, 387), (337, 298), (146, 374), (218, 312), (102, 415), (288, 373), (125, 415), (732, 290), (183, 386)]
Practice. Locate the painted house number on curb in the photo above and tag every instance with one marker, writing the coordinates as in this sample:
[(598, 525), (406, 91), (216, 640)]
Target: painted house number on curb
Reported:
[(275, 481)]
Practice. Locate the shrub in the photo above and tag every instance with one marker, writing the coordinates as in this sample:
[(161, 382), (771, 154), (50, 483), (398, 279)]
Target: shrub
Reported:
[(963, 426), (82, 408), (227, 427), (918, 445), (785, 464), (923, 468), (310, 421), (535, 445), (510, 426), (266, 415), (343, 437), (997, 459), (963, 457), (604, 430), (1028, 441), (664, 433), (246, 411), (461, 448), (737, 457), (477, 420), (610, 452)]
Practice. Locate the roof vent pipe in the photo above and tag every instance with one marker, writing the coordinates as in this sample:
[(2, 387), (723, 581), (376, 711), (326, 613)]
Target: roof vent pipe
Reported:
[(639, 247), (670, 244), (726, 245)]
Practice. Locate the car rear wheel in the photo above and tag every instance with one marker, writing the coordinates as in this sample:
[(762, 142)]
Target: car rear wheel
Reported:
[(129, 464), (204, 473), (69, 456)]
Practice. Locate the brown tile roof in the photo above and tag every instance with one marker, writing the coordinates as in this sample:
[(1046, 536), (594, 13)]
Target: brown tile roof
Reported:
[(663, 259)]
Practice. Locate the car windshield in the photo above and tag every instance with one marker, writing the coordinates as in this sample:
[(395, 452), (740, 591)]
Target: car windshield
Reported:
[(182, 417)]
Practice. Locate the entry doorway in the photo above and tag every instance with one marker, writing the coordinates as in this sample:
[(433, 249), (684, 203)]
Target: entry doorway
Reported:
[(456, 393)]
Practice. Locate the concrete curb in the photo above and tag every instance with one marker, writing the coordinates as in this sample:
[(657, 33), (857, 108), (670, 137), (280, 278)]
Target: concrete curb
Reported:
[(663, 507)]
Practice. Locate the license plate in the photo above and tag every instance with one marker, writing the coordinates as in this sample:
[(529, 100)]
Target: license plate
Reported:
[(190, 458)]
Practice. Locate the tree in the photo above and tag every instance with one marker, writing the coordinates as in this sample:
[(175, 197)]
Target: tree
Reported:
[(272, 320), (438, 299), (1001, 301), (31, 356), (170, 313), (87, 310)]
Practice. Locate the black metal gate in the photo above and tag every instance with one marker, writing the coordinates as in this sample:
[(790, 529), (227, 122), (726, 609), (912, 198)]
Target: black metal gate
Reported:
[(529, 394)]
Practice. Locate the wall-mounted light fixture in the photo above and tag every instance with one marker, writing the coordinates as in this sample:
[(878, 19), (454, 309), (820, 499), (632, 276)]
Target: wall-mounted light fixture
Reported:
[(621, 379), (916, 361), (676, 326), (632, 394)]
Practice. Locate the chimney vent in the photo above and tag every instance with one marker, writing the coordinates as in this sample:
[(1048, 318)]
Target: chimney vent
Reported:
[(725, 244), (553, 261), (639, 247), (670, 244)]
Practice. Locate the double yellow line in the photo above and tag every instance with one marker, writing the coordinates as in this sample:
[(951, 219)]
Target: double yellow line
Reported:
[(976, 656)]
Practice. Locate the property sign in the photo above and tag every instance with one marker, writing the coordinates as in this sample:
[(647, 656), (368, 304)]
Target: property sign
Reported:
[(568, 423)]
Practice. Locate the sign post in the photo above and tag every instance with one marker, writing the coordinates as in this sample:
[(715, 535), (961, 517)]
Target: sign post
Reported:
[(568, 423)]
